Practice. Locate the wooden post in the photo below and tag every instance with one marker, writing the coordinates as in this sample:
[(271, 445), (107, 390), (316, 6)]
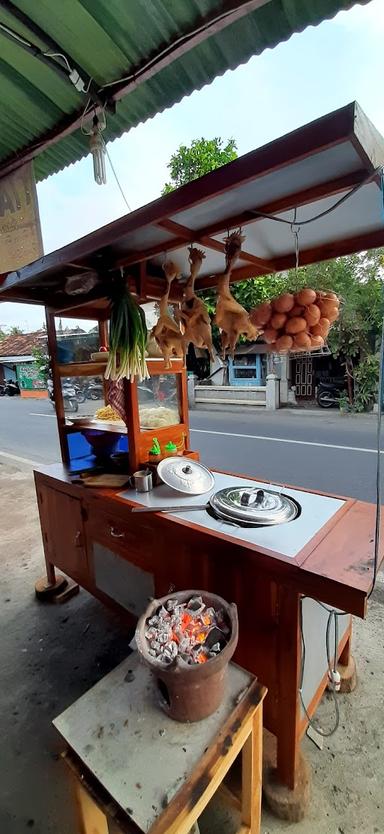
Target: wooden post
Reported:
[(131, 403), (57, 392), (252, 775), (288, 665), (92, 818), (103, 337)]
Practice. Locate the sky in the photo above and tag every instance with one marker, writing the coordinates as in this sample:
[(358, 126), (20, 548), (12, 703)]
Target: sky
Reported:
[(315, 72)]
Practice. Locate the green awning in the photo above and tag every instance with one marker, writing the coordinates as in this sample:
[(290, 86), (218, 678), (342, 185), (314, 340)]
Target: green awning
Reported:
[(157, 51)]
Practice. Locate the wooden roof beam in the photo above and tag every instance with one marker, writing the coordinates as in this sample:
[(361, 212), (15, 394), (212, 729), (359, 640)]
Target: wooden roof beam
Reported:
[(210, 243), (181, 240), (317, 254), (290, 201)]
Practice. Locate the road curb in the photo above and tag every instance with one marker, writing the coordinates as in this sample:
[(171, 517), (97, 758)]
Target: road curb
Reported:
[(26, 462)]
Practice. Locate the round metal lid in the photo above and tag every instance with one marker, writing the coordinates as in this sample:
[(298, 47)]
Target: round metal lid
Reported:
[(252, 505), (185, 475)]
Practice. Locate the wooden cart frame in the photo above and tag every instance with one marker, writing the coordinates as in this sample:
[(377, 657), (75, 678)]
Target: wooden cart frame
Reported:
[(328, 158)]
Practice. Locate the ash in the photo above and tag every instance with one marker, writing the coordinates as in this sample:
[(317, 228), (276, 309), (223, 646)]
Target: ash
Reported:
[(190, 631)]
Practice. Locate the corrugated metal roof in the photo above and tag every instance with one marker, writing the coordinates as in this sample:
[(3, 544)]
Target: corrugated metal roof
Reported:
[(109, 40), (21, 344)]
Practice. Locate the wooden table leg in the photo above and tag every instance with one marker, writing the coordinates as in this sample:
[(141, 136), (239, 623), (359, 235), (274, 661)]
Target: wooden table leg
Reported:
[(92, 819), (286, 786), (289, 656), (252, 755), (346, 653)]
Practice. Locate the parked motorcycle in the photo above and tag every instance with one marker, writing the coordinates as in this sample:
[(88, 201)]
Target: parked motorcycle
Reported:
[(80, 391), (329, 393), (10, 388), (94, 391), (69, 396)]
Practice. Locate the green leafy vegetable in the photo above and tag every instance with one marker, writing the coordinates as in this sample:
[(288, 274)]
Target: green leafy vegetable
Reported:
[(127, 337)]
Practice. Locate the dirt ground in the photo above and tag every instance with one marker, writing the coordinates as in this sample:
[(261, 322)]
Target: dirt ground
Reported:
[(51, 654)]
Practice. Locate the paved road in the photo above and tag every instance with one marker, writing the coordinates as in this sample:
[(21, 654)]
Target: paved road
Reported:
[(323, 451)]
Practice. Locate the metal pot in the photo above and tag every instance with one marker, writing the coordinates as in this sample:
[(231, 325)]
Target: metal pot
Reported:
[(185, 475), (247, 506), (190, 693), (251, 506)]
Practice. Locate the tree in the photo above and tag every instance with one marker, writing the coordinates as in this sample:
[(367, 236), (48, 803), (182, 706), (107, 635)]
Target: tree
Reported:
[(2, 334), (41, 361), (201, 157), (15, 331)]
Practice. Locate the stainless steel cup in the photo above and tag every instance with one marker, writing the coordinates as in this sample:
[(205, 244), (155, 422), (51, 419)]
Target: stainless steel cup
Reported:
[(142, 480)]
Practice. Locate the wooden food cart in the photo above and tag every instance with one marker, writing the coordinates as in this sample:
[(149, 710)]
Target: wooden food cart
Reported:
[(121, 557)]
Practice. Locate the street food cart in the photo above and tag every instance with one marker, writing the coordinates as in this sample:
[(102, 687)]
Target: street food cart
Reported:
[(285, 578)]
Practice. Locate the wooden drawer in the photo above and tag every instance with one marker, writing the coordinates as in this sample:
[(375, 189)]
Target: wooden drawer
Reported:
[(132, 538)]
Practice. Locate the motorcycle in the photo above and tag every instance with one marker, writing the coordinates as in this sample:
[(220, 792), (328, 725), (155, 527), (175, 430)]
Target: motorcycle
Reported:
[(10, 388), (69, 396), (329, 393), (80, 391), (94, 391)]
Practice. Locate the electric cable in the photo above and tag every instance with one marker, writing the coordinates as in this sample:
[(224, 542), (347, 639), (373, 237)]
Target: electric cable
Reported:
[(59, 55), (170, 48), (64, 69), (332, 614), (115, 174), (14, 35), (377, 172), (378, 464)]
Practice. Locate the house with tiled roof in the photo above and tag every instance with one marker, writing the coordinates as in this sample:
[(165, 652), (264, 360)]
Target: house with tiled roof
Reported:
[(17, 362)]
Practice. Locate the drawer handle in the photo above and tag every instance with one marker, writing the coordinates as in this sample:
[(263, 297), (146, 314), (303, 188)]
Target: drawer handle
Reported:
[(115, 534)]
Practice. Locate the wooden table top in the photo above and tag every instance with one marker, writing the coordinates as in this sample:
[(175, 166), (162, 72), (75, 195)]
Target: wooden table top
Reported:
[(336, 566)]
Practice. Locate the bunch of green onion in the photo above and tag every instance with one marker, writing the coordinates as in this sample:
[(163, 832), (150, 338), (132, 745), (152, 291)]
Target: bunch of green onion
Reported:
[(127, 337)]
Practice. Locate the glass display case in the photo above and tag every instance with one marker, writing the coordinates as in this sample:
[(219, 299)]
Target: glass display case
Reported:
[(75, 343), (158, 402), (108, 426)]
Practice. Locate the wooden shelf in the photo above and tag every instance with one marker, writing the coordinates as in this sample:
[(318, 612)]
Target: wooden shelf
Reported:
[(82, 369), (155, 367), (78, 424)]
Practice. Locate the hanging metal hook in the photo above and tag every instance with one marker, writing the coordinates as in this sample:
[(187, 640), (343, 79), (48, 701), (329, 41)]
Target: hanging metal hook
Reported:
[(295, 231)]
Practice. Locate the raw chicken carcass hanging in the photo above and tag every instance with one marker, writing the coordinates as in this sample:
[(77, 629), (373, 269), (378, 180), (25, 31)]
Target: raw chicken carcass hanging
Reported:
[(166, 331), (194, 316), (232, 319)]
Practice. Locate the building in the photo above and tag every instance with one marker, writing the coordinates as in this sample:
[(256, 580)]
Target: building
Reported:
[(17, 362)]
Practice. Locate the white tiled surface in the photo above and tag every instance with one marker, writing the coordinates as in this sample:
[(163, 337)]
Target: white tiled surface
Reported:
[(287, 539)]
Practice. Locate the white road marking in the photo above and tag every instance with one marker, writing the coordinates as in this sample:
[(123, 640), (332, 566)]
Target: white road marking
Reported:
[(19, 459), (40, 414), (286, 440)]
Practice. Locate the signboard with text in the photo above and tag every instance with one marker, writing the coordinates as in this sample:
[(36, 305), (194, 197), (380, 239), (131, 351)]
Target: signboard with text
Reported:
[(29, 377), (20, 232)]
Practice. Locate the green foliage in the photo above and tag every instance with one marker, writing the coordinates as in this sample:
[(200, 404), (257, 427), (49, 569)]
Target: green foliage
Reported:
[(344, 404), (366, 376), (2, 334), (15, 331), (201, 157), (358, 280), (42, 362)]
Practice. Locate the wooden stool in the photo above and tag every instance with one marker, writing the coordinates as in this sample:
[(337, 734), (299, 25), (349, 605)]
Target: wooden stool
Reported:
[(137, 770)]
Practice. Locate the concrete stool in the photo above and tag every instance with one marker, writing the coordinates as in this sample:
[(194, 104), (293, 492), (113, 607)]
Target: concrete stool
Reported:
[(137, 770)]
